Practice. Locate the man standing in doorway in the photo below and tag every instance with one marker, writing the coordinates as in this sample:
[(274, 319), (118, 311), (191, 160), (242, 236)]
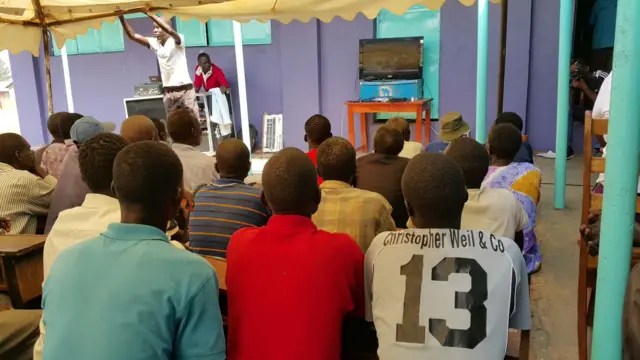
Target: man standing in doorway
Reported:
[(172, 58)]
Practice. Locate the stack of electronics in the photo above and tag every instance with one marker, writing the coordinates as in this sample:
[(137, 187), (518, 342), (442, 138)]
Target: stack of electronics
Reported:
[(152, 88), (391, 69)]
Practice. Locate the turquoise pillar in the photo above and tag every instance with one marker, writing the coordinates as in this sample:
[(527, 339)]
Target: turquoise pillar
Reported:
[(481, 71), (621, 183), (562, 108)]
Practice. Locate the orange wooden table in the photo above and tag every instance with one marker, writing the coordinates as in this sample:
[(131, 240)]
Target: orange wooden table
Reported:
[(417, 106)]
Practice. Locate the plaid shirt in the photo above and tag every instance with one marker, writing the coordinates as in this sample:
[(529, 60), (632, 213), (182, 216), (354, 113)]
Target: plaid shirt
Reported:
[(53, 156), (360, 213), (24, 197)]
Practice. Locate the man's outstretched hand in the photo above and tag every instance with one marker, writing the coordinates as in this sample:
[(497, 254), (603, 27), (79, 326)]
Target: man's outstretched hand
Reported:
[(590, 232)]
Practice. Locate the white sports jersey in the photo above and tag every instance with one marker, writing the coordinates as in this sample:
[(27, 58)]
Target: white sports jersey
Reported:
[(445, 294)]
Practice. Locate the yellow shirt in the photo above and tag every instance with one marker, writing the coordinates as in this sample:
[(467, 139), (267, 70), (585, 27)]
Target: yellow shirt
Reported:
[(360, 213)]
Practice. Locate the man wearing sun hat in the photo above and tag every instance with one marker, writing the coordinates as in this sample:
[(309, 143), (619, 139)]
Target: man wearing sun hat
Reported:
[(452, 126), (71, 190)]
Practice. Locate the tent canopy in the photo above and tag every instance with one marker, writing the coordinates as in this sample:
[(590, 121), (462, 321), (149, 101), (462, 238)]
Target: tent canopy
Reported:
[(22, 21)]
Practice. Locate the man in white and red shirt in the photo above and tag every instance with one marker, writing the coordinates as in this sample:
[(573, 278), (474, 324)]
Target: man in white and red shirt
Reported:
[(438, 292), (208, 75)]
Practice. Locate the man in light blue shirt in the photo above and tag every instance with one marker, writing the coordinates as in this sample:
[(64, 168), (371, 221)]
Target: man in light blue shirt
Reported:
[(128, 294)]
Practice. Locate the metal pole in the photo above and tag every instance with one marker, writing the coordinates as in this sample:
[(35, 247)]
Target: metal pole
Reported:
[(242, 85), (621, 183), (562, 108), (481, 71), (503, 54), (67, 79)]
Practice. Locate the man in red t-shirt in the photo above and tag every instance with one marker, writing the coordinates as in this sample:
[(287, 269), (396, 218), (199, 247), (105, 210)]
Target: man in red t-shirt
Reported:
[(289, 284), (208, 75), (316, 130)]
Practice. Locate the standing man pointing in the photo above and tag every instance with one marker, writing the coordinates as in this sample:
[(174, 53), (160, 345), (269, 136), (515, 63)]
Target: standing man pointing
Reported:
[(172, 58)]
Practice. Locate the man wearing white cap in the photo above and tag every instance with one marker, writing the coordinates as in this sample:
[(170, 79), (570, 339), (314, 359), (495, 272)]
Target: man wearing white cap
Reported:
[(71, 189)]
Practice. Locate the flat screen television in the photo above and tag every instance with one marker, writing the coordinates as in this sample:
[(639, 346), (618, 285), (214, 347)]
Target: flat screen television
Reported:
[(394, 58)]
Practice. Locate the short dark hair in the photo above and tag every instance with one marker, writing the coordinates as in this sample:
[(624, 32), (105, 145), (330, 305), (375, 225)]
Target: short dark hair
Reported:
[(53, 124), (147, 173), (181, 124), (504, 141), (9, 144), (161, 127), (473, 159), (433, 187), (204, 55), (317, 128), (96, 157), (400, 123), (233, 159), (66, 122), (388, 140), (510, 118), (290, 183), (336, 159)]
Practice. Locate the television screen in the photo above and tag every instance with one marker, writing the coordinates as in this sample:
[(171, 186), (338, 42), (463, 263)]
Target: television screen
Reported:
[(395, 58)]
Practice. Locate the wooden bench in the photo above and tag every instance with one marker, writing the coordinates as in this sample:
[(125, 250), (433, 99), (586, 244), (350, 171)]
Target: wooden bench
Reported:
[(21, 273), (587, 264)]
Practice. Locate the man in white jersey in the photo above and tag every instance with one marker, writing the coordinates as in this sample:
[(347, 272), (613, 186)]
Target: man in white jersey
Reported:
[(169, 47), (437, 292)]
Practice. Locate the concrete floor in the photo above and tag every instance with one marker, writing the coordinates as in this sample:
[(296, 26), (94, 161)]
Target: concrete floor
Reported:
[(554, 288)]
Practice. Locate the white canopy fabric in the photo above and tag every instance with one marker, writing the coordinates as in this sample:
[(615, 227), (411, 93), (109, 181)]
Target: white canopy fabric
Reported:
[(21, 21)]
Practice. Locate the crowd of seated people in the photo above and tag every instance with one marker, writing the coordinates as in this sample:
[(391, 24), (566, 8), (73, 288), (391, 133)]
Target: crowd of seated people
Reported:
[(312, 268)]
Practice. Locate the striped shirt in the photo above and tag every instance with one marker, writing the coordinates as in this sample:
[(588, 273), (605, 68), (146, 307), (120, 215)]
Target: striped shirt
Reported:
[(359, 213), (221, 209), (23, 197)]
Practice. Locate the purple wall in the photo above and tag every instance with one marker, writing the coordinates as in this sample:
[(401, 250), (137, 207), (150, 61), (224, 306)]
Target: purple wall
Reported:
[(312, 67)]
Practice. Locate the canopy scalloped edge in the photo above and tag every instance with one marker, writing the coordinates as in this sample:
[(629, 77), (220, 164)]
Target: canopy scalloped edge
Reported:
[(27, 37)]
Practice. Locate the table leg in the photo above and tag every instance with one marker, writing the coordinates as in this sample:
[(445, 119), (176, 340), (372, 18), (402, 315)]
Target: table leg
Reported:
[(419, 125), (427, 128), (351, 126), (363, 132)]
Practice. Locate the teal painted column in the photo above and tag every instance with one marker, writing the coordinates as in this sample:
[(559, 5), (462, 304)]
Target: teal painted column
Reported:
[(562, 109), (481, 71), (621, 183)]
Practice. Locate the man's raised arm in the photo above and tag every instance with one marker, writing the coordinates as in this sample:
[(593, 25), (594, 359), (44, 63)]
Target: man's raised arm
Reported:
[(165, 25), (132, 34)]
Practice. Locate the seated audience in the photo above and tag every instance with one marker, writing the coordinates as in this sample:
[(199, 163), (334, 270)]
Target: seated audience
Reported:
[(53, 125), (55, 153), (162, 129), (227, 205), (25, 188), (316, 130), (150, 301), (419, 310), (495, 211), (18, 333), (360, 213), (523, 179), (525, 154), (99, 209), (289, 284), (411, 148), (381, 171), (71, 189), (186, 134), (138, 128), (452, 127)]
